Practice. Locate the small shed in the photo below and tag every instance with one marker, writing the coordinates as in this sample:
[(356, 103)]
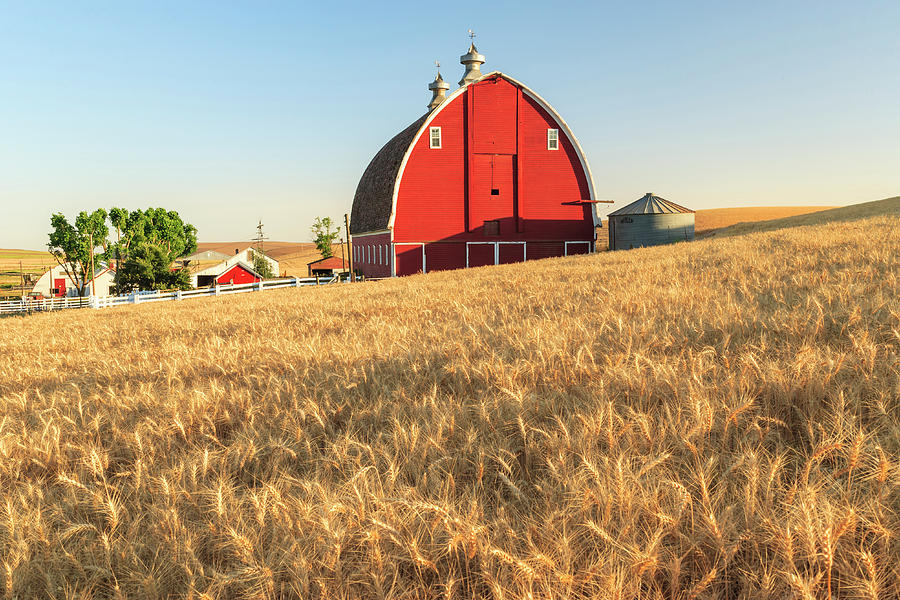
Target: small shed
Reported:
[(650, 221), (327, 267)]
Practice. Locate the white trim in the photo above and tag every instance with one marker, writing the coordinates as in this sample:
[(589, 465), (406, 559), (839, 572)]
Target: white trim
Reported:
[(412, 244), (379, 232), (566, 247), (555, 139), (431, 131), (497, 250), (543, 103)]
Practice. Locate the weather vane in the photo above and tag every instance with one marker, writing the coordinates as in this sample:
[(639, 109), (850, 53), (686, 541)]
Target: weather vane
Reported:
[(437, 64), (472, 36)]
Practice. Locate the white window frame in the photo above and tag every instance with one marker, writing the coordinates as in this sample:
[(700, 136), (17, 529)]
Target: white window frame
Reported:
[(379, 255), (553, 136), (589, 247), (431, 131)]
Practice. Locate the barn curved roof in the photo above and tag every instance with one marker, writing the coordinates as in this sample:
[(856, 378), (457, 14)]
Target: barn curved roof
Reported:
[(376, 194), (374, 199), (650, 204)]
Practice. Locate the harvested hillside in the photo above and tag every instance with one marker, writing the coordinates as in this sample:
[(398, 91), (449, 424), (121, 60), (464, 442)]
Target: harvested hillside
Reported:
[(15, 263), (716, 419), (708, 219)]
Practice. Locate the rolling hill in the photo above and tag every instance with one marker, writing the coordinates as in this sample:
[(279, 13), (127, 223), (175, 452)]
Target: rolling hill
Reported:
[(705, 420)]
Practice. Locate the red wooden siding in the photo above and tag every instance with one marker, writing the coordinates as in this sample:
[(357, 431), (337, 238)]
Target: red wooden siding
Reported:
[(372, 255), (494, 112), (409, 259), (441, 256), (481, 255), (511, 253), (493, 137), (430, 205), (492, 193), (236, 274)]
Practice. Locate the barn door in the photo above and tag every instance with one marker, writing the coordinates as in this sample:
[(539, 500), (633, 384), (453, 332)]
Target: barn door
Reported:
[(481, 254), (410, 259), (60, 286), (492, 195)]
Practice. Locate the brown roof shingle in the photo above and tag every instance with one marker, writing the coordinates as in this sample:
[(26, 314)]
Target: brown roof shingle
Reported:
[(373, 201)]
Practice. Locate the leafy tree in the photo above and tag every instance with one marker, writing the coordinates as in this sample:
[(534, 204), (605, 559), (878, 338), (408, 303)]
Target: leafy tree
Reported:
[(73, 246), (147, 244), (261, 265), (324, 235)]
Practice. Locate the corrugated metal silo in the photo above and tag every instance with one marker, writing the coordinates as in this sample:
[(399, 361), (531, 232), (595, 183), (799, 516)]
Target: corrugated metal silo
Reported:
[(650, 221)]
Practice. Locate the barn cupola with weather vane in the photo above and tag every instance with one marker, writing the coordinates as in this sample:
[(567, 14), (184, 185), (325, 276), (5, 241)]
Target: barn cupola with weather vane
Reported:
[(472, 61), (438, 89)]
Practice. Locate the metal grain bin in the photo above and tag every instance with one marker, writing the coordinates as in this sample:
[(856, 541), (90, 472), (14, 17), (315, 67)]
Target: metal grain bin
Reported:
[(650, 221)]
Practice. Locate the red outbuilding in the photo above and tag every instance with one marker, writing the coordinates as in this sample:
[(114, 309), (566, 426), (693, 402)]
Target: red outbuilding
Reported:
[(490, 175), (239, 273)]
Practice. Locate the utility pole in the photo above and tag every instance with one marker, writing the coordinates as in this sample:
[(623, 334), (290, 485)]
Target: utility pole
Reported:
[(260, 238), (349, 247), (91, 250)]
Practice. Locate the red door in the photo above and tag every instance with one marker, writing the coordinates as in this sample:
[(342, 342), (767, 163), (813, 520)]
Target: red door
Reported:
[(481, 255), (409, 259), (511, 253), (493, 194), (60, 286)]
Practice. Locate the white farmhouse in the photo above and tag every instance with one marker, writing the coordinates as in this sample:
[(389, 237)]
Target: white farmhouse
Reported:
[(56, 283)]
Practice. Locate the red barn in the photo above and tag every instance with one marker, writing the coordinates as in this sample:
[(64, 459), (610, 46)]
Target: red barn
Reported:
[(490, 175)]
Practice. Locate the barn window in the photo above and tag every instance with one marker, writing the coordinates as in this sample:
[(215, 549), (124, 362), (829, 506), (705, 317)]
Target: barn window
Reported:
[(491, 228), (379, 254), (435, 137), (553, 139), (495, 192)]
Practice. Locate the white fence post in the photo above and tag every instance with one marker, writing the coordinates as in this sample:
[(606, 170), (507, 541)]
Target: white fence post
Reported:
[(178, 294), (259, 285), (217, 290)]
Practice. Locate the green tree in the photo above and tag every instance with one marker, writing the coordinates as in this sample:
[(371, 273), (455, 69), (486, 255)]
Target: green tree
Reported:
[(147, 244), (74, 246), (324, 235), (261, 265)]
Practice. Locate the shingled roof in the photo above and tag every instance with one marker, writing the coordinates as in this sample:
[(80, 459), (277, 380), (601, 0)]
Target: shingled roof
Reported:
[(374, 197)]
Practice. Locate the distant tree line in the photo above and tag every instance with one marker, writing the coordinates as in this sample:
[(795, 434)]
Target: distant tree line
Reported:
[(146, 245)]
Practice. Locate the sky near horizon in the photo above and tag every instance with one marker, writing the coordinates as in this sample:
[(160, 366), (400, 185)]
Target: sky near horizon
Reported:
[(232, 113)]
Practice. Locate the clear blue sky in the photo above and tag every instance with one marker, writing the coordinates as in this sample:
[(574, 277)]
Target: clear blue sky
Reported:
[(230, 113)]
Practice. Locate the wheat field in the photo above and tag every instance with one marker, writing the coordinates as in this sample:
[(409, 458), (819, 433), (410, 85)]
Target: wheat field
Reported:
[(715, 419)]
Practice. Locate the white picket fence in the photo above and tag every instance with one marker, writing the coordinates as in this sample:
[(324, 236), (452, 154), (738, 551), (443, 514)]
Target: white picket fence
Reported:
[(28, 305)]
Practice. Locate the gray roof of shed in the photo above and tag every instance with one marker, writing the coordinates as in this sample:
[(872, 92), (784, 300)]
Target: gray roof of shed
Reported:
[(374, 197), (650, 204)]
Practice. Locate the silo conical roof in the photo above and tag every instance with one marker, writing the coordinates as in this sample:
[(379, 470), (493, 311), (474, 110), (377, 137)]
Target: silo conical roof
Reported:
[(650, 204)]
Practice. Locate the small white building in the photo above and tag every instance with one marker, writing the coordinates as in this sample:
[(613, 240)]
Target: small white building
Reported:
[(208, 275), (56, 283)]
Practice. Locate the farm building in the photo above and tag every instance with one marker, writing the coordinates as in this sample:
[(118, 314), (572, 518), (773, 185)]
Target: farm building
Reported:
[(239, 272), (56, 283), (490, 174), (209, 269), (327, 267), (649, 221)]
